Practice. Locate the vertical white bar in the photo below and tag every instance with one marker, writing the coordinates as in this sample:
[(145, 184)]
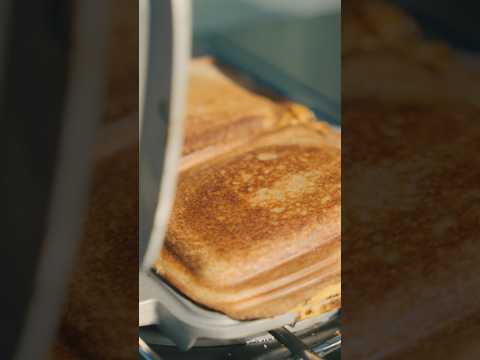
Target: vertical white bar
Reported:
[(161, 137), (82, 113)]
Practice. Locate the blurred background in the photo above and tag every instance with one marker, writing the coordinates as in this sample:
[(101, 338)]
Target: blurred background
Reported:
[(291, 47)]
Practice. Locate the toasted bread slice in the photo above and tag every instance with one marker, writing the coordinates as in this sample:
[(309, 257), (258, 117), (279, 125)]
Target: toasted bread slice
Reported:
[(256, 231), (222, 114)]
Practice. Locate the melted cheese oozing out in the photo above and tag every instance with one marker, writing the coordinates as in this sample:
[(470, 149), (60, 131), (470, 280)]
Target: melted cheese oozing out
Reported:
[(325, 300)]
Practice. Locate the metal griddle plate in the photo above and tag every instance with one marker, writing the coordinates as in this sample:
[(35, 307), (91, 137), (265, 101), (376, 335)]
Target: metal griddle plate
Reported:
[(164, 55), (156, 336)]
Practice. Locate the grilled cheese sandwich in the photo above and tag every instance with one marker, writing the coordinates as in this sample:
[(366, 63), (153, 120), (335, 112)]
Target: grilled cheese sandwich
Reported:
[(256, 231)]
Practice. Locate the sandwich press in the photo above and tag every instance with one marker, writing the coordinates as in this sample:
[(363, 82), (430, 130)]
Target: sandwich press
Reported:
[(166, 316)]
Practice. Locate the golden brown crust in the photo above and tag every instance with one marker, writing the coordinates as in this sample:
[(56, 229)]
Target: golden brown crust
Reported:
[(222, 113), (260, 212)]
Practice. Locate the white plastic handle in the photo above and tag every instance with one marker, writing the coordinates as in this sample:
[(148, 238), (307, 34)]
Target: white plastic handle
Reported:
[(164, 54)]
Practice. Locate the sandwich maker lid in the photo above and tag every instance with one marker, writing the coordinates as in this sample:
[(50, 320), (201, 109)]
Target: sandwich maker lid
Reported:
[(164, 55), (50, 100)]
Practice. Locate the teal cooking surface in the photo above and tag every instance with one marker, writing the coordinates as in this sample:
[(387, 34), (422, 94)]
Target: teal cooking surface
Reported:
[(306, 50), (297, 56), (299, 59)]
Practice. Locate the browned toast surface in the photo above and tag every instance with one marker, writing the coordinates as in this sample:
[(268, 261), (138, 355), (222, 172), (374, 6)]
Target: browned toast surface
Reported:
[(222, 113), (246, 222)]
